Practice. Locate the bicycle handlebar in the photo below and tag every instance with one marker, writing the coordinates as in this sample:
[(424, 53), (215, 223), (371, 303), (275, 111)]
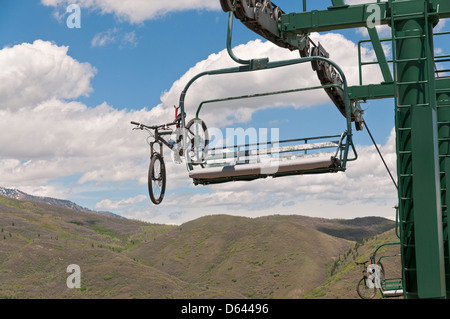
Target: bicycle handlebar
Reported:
[(141, 126), (154, 127)]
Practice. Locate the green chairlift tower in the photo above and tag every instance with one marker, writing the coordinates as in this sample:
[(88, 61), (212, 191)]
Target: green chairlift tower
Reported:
[(422, 113)]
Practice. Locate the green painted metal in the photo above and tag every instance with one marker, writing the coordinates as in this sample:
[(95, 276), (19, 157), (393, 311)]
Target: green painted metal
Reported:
[(422, 120), (272, 65), (417, 151), (252, 66), (443, 114), (249, 96), (381, 57), (371, 91), (382, 246), (414, 91), (376, 92), (386, 90), (345, 140), (264, 64), (229, 39), (328, 20), (388, 284), (245, 152), (426, 211), (355, 16)]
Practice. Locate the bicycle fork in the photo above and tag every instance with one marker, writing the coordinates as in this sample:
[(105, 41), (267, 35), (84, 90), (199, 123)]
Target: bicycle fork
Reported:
[(160, 149)]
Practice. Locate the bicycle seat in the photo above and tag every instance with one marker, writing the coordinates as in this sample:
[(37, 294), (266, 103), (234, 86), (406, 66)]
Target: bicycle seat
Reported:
[(362, 263)]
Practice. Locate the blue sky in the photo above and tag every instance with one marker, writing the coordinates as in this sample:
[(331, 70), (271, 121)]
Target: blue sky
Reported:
[(67, 96)]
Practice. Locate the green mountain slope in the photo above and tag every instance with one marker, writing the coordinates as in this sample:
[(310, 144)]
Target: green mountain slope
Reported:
[(267, 257), (344, 274), (215, 256), (39, 241)]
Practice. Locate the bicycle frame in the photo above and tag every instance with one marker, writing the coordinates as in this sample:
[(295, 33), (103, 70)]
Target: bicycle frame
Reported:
[(158, 135), (368, 278), (161, 130), (364, 271), (157, 177), (160, 140)]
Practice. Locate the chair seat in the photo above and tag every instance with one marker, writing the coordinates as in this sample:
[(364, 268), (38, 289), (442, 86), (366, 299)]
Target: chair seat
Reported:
[(265, 168)]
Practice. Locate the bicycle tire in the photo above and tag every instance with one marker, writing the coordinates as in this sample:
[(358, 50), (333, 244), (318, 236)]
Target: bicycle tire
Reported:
[(363, 291), (156, 178), (191, 137), (227, 5)]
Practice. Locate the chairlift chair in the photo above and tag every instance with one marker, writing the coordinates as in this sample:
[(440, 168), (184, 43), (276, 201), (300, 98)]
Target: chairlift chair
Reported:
[(311, 155), (327, 154)]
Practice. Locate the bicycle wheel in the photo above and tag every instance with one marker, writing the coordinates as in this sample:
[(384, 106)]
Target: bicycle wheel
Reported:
[(364, 291), (198, 140), (227, 5), (156, 178)]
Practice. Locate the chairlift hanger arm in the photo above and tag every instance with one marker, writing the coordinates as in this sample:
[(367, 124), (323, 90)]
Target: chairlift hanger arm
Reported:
[(292, 29), (270, 65), (263, 17), (386, 90), (276, 64)]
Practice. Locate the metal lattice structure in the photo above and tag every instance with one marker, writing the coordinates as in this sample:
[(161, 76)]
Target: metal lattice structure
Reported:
[(422, 112)]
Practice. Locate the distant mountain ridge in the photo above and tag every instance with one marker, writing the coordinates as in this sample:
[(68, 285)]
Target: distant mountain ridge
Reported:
[(214, 256), (19, 195)]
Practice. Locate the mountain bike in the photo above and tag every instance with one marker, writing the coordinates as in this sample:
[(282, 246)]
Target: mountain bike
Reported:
[(191, 142), (373, 278)]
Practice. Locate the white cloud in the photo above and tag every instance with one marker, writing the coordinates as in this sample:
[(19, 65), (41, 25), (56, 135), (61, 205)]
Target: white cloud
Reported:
[(114, 35), (384, 31), (365, 189), (136, 11), (109, 204), (343, 51), (53, 138), (365, 180), (49, 138), (129, 40), (22, 66), (101, 39), (57, 139), (72, 129), (46, 191), (441, 25)]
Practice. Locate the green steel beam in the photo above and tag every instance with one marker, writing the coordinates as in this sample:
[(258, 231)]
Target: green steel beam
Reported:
[(381, 57), (328, 20), (371, 91), (446, 226), (443, 108), (386, 90), (422, 127), (355, 16), (429, 251), (418, 171)]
